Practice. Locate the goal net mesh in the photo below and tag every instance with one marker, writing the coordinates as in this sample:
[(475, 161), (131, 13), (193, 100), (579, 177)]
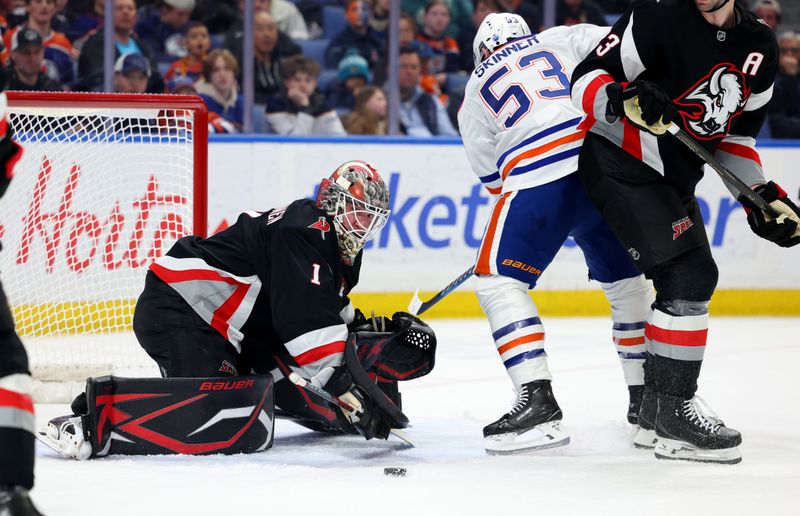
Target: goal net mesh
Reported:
[(98, 194)]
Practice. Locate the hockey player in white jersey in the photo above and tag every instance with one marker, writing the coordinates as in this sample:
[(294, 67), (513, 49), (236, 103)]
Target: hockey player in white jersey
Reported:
[(522, 137)]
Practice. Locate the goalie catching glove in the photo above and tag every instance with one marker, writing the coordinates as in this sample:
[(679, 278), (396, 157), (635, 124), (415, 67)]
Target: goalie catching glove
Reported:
[(643, 103), (785, 230)]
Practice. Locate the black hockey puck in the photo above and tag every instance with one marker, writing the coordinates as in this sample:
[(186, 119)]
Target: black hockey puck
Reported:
[(394, 472)]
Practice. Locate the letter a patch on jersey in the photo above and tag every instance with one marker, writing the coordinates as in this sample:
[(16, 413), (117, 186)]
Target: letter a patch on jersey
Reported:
[(322, 225)]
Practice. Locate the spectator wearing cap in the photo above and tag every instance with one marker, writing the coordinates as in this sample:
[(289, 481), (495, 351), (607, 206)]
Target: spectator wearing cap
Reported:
[(219, 90), (769, 11), (467, 34), (352, 75), (163, 25), (198, 43), (784, 108), (59, 56), (182, 85), (460, 13), (131, 73), (27, 58), (444, 53), (357, 37), (90, 63), (301, 109)]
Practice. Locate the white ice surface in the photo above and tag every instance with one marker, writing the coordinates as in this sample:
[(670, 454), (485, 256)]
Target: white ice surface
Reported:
[(749, 377)]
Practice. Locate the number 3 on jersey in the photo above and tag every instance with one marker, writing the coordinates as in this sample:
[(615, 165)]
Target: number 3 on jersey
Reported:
[(558, 87)]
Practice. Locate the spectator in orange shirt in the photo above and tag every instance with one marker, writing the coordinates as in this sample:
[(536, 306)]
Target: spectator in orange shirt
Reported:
[(59, 56), (444, 53), (198, 43)]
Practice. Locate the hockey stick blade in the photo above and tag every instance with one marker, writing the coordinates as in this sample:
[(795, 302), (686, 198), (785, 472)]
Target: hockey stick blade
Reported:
[(415, 304), (723, 171), (417, 307)]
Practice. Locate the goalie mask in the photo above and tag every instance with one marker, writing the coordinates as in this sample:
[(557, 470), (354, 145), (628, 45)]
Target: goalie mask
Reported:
[(496, 30), (357, 199)]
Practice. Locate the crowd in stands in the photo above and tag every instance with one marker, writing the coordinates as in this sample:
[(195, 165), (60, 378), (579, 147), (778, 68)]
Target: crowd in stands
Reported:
[(320, 66)]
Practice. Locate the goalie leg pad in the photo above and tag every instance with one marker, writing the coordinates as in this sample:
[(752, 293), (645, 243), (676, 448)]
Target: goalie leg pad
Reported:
[(193, 416)]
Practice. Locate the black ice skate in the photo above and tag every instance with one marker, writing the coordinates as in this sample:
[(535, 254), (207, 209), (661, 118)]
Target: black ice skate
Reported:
[(646, 432), (14, 501), (635, 402), (533, 423), (688, 430)]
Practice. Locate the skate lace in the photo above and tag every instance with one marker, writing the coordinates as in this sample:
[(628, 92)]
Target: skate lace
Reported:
[(521, 400), (697, 411)]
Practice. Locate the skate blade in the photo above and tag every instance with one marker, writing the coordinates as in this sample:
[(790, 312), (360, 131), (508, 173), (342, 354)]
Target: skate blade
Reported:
[(62, 449), (670, 449), (540, 437), (645, 439)]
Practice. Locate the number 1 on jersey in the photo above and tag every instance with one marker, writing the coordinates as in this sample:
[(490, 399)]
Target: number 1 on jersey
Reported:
[(315, 273), (517, 92)]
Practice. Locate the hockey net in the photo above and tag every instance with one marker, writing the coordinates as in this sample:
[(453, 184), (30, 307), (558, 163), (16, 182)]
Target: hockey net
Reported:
[(105, 185)]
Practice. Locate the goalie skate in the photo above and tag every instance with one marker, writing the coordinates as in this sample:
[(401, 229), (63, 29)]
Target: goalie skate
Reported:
[(688, 430), (64, 435), (533, 423)]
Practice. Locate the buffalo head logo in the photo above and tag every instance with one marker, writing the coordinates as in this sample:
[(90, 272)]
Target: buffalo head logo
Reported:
[(712, 103)]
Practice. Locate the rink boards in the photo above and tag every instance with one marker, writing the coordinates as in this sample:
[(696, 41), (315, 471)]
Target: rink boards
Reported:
[(439, 211)]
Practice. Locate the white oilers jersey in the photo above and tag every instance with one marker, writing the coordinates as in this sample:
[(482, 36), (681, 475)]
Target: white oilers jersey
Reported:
[(519, 127)]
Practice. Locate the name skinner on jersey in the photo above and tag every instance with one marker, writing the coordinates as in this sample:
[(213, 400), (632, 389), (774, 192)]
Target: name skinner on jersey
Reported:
[(498, 55)]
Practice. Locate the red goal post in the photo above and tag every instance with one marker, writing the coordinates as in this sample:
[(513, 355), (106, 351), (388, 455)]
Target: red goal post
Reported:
[(106, 183)]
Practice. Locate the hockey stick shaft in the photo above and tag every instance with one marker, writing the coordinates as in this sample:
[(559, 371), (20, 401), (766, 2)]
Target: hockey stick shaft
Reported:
[(417, 306), (322, 393), (723, 171)]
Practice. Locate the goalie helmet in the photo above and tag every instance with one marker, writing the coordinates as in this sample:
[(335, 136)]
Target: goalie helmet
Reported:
[(357, 199), (496, 30)]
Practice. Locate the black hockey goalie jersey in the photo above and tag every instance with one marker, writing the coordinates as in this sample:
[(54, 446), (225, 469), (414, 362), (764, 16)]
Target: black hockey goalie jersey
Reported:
[(720, 80), (271, 280)]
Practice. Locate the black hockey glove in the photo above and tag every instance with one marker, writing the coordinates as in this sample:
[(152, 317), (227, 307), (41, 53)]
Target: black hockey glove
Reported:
[(369, 419), (643, 103), (358, 320), (785, 230)]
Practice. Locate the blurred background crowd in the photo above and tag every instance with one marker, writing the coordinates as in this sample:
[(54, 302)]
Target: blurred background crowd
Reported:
[(320, 66)]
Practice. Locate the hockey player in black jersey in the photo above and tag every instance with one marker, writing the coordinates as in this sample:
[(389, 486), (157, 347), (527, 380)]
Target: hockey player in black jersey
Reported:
[(708, 66), (16, 406), (266, 296)]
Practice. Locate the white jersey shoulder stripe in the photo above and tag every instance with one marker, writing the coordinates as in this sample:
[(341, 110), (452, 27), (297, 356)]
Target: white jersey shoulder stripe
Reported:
[(758, 100)]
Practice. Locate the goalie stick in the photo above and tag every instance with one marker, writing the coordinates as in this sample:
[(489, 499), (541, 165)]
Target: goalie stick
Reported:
[(322, 393), (416, 306)]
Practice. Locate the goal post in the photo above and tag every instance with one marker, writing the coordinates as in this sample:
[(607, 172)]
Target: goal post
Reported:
[(106, 184)]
